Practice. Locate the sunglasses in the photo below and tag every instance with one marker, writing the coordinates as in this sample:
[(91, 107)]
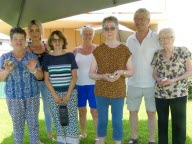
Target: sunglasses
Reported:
[(109, 28)]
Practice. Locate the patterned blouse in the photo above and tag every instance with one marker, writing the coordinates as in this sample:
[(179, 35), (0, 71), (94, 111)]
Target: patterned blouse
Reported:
[(20, 84), (109, 60), (172, 68)]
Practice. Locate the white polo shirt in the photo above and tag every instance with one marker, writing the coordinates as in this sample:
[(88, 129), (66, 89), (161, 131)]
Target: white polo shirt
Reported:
[(142, 55)]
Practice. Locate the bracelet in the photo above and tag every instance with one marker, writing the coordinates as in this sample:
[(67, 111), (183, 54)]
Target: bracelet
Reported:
[(34, 72)]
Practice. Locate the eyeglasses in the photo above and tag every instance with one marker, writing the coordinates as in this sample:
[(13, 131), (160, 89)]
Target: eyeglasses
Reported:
[(166, 38), (109, 28), (56, 40)]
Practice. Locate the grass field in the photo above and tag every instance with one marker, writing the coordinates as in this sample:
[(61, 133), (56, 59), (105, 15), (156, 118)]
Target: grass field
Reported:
[(6, 133)]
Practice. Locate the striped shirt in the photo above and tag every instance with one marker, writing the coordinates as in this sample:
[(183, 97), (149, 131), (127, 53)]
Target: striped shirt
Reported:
[(60, 70)]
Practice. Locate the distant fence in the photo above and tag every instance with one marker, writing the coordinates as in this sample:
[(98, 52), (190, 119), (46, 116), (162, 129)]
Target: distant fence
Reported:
[(2, 94)]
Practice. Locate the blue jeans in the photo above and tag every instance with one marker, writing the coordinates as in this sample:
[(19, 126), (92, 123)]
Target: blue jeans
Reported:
[(47, 114), (117, 115)]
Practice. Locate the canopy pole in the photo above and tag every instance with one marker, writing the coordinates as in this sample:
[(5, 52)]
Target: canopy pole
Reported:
[(20, 13), (114, 2)]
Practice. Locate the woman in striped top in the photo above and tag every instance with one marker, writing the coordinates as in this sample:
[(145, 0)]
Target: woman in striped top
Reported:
[(60, 74)]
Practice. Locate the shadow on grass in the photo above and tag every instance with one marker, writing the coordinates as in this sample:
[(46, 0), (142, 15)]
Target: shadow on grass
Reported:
[(143, 134), (142, 131), (42, 135)]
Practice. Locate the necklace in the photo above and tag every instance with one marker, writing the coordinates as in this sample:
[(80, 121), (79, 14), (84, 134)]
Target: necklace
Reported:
[(19, 56)]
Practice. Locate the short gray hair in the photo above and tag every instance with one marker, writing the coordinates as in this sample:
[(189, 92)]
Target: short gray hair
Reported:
[(87, 28), (167, 30), (142, 10), (110, 19)]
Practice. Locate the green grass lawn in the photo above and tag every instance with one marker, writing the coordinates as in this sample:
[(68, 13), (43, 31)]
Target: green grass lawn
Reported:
[(6, 133)]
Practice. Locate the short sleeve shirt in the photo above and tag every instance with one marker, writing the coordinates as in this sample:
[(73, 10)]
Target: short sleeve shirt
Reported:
[(20, 84), (60, 70), (142, 55), (172, 68), (108, 61)]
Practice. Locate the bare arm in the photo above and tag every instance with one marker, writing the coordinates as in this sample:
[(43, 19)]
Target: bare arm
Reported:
[(188, 72), (71, 86), (155, 76), (37, 72), (75, 51), (186, 75), (93, 71), (129, 71), (58, 100), (4, 73)]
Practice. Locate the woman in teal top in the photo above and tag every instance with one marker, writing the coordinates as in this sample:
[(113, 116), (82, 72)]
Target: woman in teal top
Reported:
[(60, 74)]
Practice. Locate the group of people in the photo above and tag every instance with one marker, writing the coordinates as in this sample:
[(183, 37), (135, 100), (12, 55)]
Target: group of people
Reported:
[(156, 70)]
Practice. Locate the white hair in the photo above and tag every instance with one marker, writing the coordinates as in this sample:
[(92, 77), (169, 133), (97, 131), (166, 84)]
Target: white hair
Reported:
[(87, 28)]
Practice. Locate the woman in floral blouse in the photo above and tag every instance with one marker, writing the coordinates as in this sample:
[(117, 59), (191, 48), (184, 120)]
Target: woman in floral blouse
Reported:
[(172, 67)]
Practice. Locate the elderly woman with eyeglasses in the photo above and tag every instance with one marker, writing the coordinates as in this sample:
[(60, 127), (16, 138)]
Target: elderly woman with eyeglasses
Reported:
[(172, 68), (60, 74), (110, 65), (85, 85)]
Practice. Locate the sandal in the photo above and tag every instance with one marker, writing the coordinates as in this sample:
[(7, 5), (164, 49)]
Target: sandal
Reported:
[(40, 142), (52, 139), (132, 141), (97, 141), (82, 136)]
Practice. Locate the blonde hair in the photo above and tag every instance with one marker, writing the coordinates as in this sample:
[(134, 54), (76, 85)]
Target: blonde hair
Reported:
[(87, 28), (37, 23)]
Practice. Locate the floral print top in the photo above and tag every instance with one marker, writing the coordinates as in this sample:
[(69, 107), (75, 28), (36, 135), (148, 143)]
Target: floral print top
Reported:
[(20, 84), (172, 68)]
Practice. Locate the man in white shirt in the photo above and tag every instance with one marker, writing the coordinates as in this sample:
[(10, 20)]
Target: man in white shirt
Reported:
[(143, 44)]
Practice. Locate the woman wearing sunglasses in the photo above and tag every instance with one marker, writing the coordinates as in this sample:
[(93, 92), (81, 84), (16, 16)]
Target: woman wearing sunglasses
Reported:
[(110, 66)]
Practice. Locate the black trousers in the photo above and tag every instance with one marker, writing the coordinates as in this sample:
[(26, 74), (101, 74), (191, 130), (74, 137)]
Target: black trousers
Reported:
[(177, 107)]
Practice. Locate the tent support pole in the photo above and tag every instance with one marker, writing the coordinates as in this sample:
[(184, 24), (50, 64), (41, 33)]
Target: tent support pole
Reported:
[(20, 13)]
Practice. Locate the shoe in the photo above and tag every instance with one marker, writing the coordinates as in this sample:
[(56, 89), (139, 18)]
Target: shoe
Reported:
[(40, 142), (82, 136), (151, 142), (132, 141), (97, 141), (52, 139)]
